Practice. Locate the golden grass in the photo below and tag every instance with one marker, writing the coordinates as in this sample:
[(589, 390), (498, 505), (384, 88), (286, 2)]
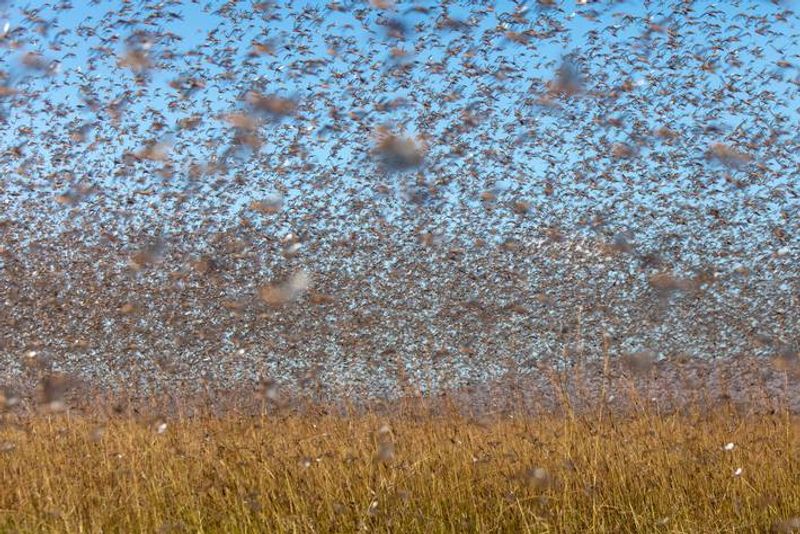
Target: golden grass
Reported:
[(402, 473)]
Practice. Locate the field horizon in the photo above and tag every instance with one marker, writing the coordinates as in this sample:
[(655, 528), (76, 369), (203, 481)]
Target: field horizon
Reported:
[(271, 461)]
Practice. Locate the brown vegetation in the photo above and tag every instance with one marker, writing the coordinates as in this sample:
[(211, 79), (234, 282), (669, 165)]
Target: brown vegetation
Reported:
[(405, 470)]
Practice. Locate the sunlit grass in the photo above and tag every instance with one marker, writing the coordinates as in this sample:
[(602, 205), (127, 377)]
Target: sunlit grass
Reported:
[(408, 472)]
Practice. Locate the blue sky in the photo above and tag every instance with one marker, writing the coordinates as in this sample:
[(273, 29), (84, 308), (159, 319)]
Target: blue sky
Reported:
[(709, 89)]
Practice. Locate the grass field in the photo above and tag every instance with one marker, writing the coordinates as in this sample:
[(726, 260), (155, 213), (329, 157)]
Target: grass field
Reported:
[(410, 470)]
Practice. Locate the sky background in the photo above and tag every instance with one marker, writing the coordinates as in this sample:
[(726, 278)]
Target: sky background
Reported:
[(712, 72)]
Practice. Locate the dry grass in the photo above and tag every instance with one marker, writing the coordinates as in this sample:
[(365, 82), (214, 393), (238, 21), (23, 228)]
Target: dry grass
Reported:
[(402, 473)]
